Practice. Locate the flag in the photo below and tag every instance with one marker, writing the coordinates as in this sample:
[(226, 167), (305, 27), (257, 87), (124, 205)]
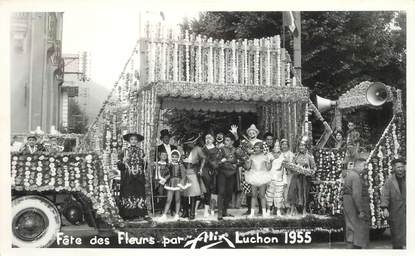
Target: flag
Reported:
[(162, 15), (288, 20)]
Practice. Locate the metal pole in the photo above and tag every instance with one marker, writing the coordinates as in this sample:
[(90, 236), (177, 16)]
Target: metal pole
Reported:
[(297, 46)]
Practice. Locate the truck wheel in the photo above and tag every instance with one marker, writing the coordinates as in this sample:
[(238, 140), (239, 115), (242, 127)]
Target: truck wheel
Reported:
[(35, 222)]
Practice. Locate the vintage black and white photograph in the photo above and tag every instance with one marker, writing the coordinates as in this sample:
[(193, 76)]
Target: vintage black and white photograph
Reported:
[(208, 129)]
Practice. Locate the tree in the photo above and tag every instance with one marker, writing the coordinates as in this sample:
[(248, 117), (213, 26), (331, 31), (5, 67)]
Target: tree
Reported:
[(339, 49), (77, 119)]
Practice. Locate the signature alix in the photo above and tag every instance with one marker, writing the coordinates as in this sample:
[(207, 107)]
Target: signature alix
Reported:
[(209, 239)]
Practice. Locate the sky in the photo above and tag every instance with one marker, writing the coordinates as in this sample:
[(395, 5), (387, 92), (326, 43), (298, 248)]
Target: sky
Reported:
[(109, 36)]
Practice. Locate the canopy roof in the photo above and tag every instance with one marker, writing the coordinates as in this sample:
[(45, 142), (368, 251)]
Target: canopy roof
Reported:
[(356, 97), (229, 92)]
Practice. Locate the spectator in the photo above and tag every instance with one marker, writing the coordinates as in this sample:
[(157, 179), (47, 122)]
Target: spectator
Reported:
[(393, 202), (356, 206)]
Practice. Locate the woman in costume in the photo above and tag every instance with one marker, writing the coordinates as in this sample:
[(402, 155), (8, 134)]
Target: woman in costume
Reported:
[(194, 164), (132, 187), (288, 157), (300, 184)]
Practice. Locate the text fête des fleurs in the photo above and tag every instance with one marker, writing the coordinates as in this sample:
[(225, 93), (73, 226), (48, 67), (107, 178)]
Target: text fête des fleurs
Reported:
[(205, 239)]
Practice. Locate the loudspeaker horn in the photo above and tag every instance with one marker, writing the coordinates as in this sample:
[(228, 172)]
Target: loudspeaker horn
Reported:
[(324, 104), (377, 94)]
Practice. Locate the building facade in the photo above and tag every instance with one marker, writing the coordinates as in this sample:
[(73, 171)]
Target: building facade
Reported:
[(36, 71), (75, 91)]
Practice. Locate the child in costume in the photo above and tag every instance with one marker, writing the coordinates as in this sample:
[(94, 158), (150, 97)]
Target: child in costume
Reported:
[(174, 181), (275, 191), (159, 172), (258, 176)]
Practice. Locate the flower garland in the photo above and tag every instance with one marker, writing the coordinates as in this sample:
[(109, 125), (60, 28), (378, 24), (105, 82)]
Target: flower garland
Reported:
[(66, 172), (297, 168), (328, 188), (380, 167)]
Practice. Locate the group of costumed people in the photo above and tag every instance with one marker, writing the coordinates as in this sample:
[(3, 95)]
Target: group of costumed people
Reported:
[(222, 164)]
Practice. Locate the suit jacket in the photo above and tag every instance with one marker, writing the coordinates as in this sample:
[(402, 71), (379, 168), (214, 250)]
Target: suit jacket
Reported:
[(161, 148), (395, 200)]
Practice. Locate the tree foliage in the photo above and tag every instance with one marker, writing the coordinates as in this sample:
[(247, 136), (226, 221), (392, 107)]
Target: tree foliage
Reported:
[(77, 119), (339, 49)]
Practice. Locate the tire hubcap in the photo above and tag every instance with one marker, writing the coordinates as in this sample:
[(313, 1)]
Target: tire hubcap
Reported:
[(30, 224)]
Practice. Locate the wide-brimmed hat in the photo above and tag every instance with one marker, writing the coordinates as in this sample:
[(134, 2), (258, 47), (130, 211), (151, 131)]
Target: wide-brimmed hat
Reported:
[(164, 132), (252, 127), (128, 136)]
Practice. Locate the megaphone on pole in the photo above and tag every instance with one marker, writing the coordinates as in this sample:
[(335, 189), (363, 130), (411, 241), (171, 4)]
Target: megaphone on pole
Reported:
[(324, 104), (377, 94)]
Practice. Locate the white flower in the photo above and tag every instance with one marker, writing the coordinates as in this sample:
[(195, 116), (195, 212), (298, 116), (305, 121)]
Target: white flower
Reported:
[(88, 158)]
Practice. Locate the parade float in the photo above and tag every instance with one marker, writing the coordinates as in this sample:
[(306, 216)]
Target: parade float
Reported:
[(171, 69)]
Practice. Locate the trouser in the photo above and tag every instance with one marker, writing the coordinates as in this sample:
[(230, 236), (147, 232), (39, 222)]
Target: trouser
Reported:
[(189, 206), (208, 182), (225, 190)]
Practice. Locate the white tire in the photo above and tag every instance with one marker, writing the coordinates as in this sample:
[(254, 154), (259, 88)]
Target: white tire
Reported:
[(35, 222)]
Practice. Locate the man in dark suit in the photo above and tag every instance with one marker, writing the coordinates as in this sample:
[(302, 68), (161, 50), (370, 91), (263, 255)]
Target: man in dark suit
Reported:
[(165, 147), (393, 202), (356, 205)]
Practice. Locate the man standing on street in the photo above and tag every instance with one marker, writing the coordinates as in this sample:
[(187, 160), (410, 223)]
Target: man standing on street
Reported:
[(393, 202), (356, 206)]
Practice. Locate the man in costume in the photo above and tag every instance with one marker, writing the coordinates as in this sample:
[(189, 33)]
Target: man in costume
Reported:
[(356, 206), (393, 202), (166, 147), (228, 166)]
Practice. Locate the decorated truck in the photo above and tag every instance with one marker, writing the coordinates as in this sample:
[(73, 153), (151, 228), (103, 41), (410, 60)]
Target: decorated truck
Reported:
[(193, 73)]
